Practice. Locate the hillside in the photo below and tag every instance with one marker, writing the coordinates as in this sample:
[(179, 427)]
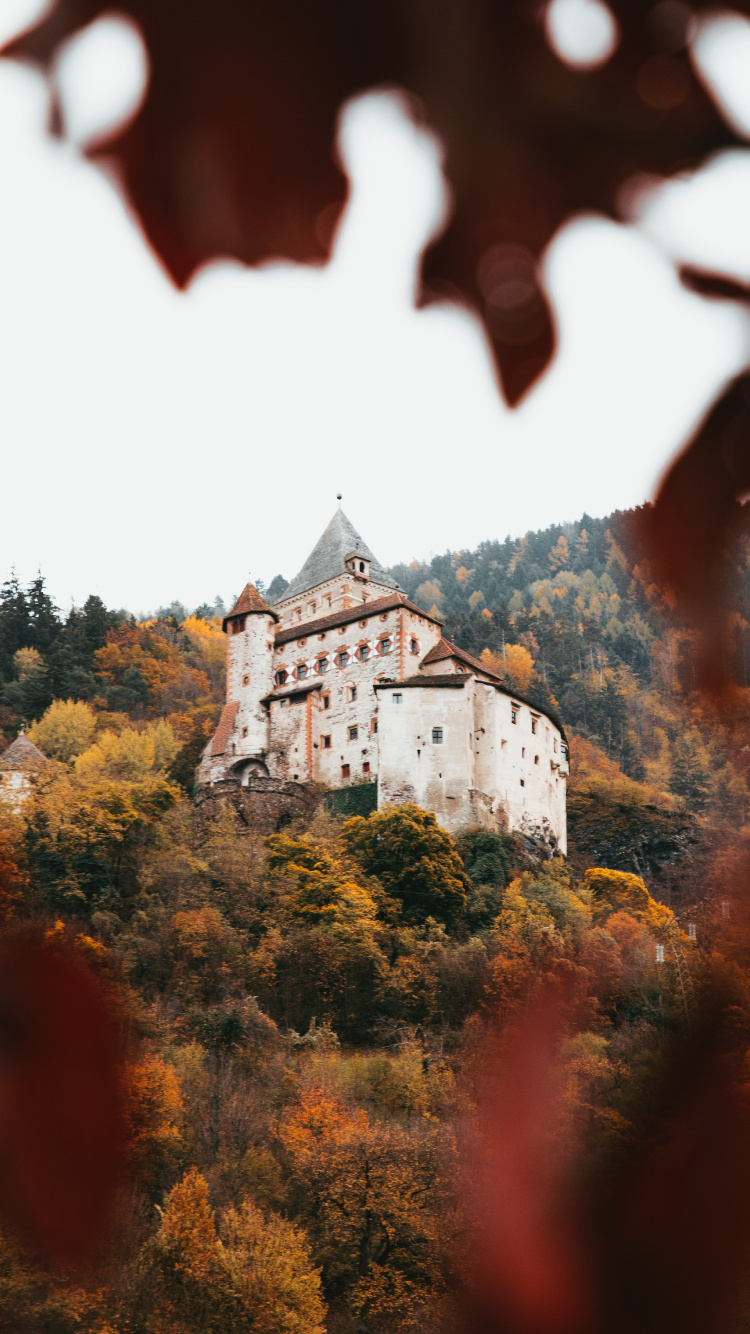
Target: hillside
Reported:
[(310, 1010)]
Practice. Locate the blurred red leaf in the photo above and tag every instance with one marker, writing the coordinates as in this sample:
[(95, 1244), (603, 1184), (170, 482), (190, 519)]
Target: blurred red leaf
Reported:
[(233, 150), (61, 1123)]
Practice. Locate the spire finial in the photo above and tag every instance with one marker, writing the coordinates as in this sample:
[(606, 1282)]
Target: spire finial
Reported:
[(338, 497)]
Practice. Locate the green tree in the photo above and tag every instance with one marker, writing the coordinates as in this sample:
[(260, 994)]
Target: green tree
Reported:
[(414, 859)]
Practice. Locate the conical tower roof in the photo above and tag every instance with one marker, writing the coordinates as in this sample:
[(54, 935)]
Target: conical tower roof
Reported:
[(327, 558), (248, 601), (23, 756)]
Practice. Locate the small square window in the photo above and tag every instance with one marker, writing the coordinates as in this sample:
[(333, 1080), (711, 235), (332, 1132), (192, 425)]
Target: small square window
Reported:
[(343, 658), (353, 733), (397, 699), (437, 736), (281, 678), (414, 646), (244, 731), (513, 715), (352, 694), (326, 701), (345, 772), (385, 646), (325, 741), (246, 680), (366, 767), (302, 671), (322, 665), (364, 652), (284, 703)]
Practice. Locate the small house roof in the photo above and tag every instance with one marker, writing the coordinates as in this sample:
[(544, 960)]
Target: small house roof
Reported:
[(249, 600), (224, 730), (445, 649), (328, 556), (23, 756)]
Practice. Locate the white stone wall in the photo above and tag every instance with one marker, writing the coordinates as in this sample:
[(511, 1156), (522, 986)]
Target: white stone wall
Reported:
[(334, 595), (343, 711), (486, 768), (249, 677)]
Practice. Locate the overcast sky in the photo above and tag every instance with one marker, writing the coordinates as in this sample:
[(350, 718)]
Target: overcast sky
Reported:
[(160, 445)]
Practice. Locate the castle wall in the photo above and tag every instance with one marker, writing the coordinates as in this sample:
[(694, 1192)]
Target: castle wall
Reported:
[(348, 690), (334, 595), (485, 768)]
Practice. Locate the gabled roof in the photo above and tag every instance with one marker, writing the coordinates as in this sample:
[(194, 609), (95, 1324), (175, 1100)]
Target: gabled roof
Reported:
[(326, 560), (445, 649), (359, 612), (23, 756), (224, 730), (248, 601)]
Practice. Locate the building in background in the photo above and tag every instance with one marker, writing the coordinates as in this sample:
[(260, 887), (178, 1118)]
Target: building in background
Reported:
[(21, 765)]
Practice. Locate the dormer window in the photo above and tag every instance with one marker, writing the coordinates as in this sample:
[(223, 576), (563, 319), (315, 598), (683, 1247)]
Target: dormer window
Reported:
[(358, 565)]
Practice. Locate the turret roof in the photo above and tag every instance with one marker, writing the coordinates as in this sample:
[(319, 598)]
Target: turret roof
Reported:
[(248, 601), (23, 756), (326, 560)]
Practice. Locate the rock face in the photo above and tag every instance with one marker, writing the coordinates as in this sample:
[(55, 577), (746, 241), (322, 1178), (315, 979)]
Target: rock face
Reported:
[(630, 836), (265, 804)]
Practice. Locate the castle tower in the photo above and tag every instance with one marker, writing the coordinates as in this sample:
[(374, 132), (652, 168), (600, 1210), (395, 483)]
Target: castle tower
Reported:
[(250, 627)]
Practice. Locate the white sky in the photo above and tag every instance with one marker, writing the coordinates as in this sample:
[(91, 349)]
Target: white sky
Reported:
[(158, 445)]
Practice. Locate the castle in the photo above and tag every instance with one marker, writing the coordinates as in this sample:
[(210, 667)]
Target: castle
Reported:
[(344, 679)]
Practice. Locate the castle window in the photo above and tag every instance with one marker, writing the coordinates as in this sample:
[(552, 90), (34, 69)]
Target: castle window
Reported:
[(564, 750), (385, 646), (298, 613), (345, 772), (281, 677), (523, 752), (459, 670), (244, 731), (353, 733), (284, 704), (533, 725), (325, 742), (343, 658), (523, 782), (352, 694), (366, 767), (414, 646), (326, 701), (327, 601), (536, 759), (437, 736), (364, 652), (302, 671), (397, 699), (514, 713), (238, 625), (373, 725), (311, 607), (322, 665), (246, 680)]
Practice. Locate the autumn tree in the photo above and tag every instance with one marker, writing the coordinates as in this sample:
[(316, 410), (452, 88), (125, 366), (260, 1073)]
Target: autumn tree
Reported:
[(64, 730), (415, 860)]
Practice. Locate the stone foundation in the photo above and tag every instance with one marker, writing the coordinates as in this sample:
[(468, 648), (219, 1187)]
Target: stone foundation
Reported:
[(265, 804)]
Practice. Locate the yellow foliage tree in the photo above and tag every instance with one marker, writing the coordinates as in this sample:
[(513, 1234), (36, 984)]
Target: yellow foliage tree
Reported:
[(65, 729), (621, 892)]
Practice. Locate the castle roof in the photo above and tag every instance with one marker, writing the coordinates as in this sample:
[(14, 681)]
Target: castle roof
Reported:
[(327, 558), (359, 612), (248, 601), (445, 649), (24, 756), (223, 732)]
